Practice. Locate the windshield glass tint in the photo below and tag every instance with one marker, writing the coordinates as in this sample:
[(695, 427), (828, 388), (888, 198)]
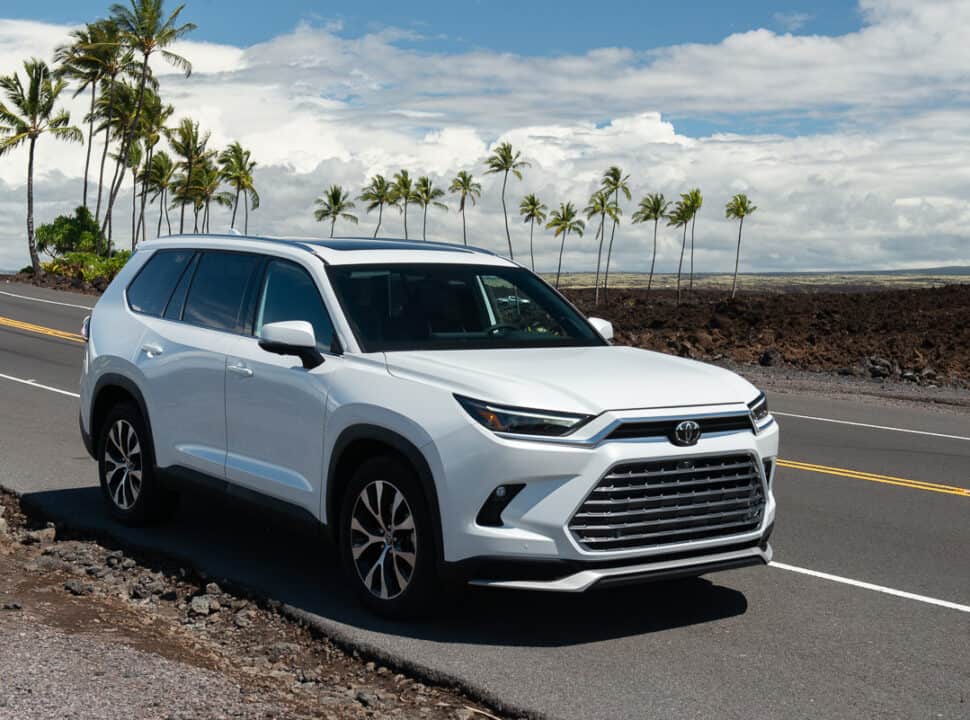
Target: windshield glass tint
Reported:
[(447, 307)]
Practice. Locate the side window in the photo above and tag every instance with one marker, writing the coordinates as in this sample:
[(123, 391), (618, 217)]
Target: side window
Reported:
[(221, 291), (289, 293), (149, 292), (173, 311)]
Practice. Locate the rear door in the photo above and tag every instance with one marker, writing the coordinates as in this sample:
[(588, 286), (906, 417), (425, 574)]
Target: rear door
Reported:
[(183, 357), (275, 409)]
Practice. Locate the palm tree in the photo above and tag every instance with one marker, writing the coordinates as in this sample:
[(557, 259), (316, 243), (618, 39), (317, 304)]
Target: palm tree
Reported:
[(680, 217), (467, 189), (84, 61), (29, 113), (335, 204), (532, 211), (504, 160), (600, 203), (377, 194), (161, 172), (205, 189), (738, 209), (694, 201), (402, 193), (190, 146), (116, 62), (564, 221), (122, 98), (652, 207), (236, 170), (614, 183), (427, 195), (154, 116), (145, 29)]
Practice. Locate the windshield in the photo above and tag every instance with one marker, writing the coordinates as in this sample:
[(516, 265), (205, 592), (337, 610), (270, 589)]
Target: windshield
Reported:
[(450, 307)]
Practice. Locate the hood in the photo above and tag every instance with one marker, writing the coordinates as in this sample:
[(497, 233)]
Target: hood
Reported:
[(586, 380)]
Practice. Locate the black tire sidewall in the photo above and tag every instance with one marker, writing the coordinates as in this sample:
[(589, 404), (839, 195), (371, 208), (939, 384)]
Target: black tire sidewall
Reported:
[(149, 496), (419, 596)]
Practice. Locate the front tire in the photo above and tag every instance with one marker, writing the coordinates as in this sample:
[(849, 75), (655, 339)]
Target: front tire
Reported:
[(387, 545), (126, 467)]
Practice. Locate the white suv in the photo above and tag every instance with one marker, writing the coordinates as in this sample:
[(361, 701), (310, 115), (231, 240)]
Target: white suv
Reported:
[(441, 411)]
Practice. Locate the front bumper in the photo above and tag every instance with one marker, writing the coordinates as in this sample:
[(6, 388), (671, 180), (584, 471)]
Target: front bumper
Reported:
[(535, 549)]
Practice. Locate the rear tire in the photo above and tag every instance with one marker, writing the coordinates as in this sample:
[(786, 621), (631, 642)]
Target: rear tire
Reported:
[(126, 468), (386, 541)]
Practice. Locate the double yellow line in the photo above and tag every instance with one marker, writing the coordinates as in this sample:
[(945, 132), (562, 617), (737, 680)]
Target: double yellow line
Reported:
[(40, 329), (873, 477)]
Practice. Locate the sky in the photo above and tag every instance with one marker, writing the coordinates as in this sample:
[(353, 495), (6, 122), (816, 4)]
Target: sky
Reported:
[(844, 122)]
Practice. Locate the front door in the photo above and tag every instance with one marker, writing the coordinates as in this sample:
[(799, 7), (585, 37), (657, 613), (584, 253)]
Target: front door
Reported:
[(276, 409)]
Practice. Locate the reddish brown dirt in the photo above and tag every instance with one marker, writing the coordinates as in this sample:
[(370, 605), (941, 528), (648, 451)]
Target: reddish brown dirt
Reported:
[(922, 335)]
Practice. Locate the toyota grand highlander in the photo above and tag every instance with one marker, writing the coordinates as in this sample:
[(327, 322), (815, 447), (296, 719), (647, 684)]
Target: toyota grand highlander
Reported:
[(442, 412)]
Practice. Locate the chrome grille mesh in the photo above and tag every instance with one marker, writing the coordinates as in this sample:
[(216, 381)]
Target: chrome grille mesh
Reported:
[(657, 502)]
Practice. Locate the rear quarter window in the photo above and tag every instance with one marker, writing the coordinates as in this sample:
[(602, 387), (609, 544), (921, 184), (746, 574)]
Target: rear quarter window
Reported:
[(222, 295), (149, 292)]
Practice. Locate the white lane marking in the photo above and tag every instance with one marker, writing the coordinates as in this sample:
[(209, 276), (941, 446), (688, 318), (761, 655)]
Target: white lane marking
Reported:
[(876, 427), (42, 300), (871, 586), (38, 385)]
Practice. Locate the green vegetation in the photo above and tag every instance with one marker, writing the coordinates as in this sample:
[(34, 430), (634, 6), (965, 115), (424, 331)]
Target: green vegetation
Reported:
[(468, 190), (652, 207), (533, 211), (335, 205), (562, 222), (504, 160), (738, 208)]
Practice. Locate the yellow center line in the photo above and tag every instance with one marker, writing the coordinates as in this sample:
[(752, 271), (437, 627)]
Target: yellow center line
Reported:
[(873, 477), (40, 329)]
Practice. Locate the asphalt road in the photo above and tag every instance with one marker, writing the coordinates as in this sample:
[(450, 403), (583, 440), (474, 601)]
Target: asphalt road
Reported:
[(754, 643)]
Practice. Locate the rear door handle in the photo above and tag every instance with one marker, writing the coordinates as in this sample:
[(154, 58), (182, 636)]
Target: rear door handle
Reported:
[(152, 350), (240, 369)]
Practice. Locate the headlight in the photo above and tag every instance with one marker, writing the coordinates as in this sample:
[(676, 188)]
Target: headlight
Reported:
[(759, 408), (521, 421)]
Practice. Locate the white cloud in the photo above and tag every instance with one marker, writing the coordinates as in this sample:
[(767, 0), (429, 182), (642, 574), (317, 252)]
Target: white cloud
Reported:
[(883, 185)]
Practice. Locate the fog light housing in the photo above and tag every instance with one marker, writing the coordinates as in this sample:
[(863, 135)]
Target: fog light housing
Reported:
[(491, 513)]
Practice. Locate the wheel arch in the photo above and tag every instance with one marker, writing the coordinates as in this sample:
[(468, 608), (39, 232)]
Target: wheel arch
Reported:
[(109, 390), (360, 442)]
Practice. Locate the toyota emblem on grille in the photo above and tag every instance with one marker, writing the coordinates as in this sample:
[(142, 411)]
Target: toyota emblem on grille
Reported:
[(687, 433)]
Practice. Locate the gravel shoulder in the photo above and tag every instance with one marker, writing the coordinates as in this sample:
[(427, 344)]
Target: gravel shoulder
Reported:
[(91, 632)]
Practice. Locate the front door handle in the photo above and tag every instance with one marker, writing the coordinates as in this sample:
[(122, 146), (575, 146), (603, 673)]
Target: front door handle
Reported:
[(241, 370), (152, 349)]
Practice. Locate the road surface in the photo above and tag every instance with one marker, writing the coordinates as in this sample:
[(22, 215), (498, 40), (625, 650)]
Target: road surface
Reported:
[(865, 613)]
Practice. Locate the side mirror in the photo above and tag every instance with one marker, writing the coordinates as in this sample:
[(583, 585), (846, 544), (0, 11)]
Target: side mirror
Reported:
[(603, 327), (293, 337)]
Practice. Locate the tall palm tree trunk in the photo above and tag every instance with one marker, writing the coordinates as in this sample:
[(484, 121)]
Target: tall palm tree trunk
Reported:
[(609, 253), (680, 265), (104, 152), (129, 135), (690, 285), (505, 212), (235, 206), (31, 243), (532, 255), (424, 225), (737, 259), (380, 218), (246, 214), (144, 194), (599, 257), (562, 246), (333, 221), (405, 219), (653, 261), (87, 155), (161, 212), (185, 191), (464, 229), (134, 207)]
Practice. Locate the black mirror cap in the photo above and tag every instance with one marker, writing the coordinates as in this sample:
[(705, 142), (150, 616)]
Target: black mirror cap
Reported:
[(310, 357)]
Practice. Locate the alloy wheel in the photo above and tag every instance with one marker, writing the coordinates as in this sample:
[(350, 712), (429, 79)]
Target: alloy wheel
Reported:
[(383, 539), (123, 464)]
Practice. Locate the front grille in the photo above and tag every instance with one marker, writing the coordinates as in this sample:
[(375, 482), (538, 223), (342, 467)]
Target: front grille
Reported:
[(736, 422), (657, 502)]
